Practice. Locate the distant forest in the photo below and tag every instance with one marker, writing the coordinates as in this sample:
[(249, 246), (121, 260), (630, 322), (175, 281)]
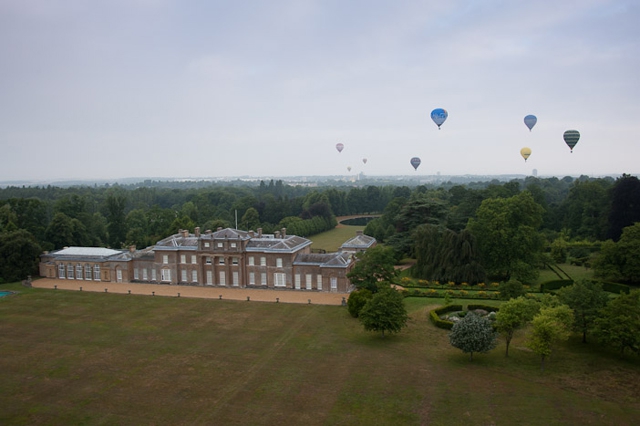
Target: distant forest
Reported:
[(580, 210)]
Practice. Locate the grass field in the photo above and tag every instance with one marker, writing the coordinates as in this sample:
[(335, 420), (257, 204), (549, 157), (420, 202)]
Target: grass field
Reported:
[(332, 240), (94, 358)]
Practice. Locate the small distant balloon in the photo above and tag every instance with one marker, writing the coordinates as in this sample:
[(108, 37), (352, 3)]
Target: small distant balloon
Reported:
[(348, 168), (571, 138), (340, 147), (439, 116), (364, 160), (525, 152), (415, 162), (530, 121)]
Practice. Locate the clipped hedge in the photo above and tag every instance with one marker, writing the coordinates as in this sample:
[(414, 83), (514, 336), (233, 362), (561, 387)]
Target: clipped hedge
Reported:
[(434, 316), (483, 307), (615, 287), (554, 285)]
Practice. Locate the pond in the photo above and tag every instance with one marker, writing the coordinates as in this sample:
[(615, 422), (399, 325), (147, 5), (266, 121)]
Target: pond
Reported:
[(5, 293)]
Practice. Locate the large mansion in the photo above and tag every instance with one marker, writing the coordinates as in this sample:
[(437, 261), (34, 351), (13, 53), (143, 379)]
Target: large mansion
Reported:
[(225, 258)]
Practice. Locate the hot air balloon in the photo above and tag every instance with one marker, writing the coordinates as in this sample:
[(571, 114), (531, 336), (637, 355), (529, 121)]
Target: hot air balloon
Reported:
[(415, 162), (571, 138), (525, 152), (349, 168), (438, 116), (530, 121), (364, 160), (340, 147)]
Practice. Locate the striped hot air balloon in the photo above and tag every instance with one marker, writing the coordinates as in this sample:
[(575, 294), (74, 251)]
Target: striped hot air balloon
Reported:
[(571, 138)]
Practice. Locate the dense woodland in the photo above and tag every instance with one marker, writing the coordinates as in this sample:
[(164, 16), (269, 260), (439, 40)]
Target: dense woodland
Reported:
[(461, 233)]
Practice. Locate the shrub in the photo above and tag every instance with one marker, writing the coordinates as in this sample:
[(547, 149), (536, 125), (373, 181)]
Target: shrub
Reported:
[(434, 316), (357, 300), (487, 308)]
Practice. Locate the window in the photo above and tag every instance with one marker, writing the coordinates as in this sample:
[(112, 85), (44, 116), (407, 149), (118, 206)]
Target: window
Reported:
[(234, 245), (206, 245), (165, 275), (70, 271), (119, 275), (319, 283), (183, 258), (154, 277), (334, 283), (209, 278), (183, 275), (263, 278), (221, 261), (136, 274), (234, 260), (251, 261), (61, 271), (165, 259), (222, 278), (194, 276), (252, 278), (145, 274), (297, 281), (193, 259), (235, 279), (79, 272), (263, 261), (87, 272), (279, 262), (308, 280), (207, 260), (96, 272), (279, 279), (220, 245)]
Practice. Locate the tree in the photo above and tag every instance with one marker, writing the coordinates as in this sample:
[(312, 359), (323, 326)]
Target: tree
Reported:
[(625, 205), (549, 326), (473, 333), (618, 324), (506, 230), (621, 260), (513, 315), (357, 300), (60, 231), (586, 298), (250, 219), (385, 311), (19, 253), (116, 226), (372, 267), (511, 289)]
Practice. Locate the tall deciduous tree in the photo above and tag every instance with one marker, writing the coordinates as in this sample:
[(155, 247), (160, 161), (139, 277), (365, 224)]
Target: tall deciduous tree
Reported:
[(586, 298), (549, 326), (473, 333), (514, 315), (625, 205), (373, 267), (116, 227), (19, 252), (618, 324), (506, 230), (621, 260), (384, 312)]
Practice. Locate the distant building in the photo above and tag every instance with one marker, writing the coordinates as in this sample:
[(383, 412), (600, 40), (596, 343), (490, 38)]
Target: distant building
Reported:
[(224, 258)]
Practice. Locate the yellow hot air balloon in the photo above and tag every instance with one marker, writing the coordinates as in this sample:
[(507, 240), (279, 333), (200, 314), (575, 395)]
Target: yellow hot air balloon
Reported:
[(525, 152)]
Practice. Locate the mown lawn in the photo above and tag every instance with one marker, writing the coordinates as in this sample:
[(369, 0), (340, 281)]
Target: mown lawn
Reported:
[(95, 358), (332, 240)]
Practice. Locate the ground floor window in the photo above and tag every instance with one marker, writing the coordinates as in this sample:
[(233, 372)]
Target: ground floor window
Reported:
[(136, 274), (252, 278), (145, 276), (319, 283), (194, 276), (334, 283), (96, 272), (297, 281), (70, 271), (209, 278), (308, 280), (87, 272), (153, 275), (235, 279), (222, 278), (79, 272), (165, 275), (61, 271), (279, 279), (183, 275), (263, 278)]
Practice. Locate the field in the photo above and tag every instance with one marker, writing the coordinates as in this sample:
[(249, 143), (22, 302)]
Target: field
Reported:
[(333, 239), (95, 358)]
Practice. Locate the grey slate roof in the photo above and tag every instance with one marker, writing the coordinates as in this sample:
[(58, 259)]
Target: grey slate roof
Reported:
[(290, 243), (331, 260), (89, 254), (175, 241), (360, 241), (227, 233)]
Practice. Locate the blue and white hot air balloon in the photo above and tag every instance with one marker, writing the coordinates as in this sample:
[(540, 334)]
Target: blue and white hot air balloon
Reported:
[(439, 116), (415, 162), (530, 121)]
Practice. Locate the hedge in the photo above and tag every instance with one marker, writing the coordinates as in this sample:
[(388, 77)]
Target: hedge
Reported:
[(434, 316), (606, 286), (554, 285), (483, 307)]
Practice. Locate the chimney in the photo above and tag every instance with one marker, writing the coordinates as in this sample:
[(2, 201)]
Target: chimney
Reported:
[(132, 249), (259, 232), (208, 232), (185, 233), (197, 232), (277, 234), (284, 232), (251, 234), (219, 228)]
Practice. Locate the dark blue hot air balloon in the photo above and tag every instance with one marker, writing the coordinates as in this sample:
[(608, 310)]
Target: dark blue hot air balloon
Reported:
[(415, 162), (530, 121)]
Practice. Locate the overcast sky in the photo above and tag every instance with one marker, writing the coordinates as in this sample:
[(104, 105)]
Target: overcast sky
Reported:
[(167, 88)]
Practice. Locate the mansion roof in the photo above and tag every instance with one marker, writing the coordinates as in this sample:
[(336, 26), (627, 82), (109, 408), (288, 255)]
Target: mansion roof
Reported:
[(335, 260)]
